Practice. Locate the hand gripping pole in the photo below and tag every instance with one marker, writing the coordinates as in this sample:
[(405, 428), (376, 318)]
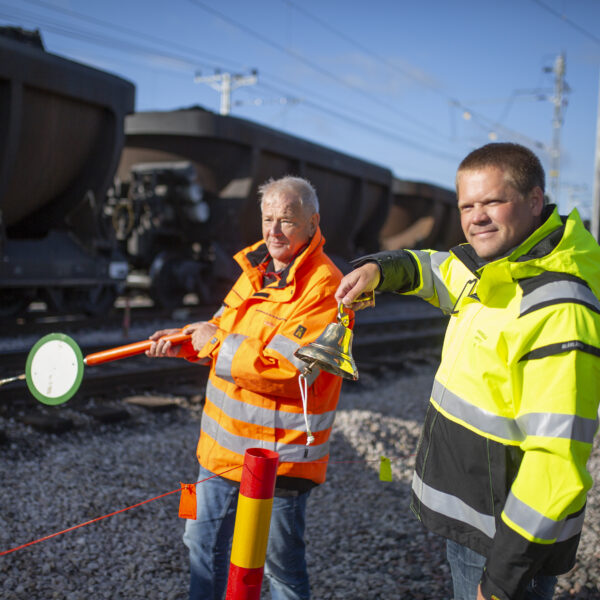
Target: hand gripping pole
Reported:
[(133, 349)]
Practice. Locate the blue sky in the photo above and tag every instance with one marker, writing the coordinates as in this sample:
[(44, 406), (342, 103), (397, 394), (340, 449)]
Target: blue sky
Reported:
[(413, 86)]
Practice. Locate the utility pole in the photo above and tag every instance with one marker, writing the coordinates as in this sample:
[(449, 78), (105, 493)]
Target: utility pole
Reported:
[(595, 225), (557, 100), (225, 83)]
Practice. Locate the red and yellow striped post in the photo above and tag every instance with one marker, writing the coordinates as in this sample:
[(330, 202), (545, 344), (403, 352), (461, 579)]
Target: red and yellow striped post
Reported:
[(252, 520)]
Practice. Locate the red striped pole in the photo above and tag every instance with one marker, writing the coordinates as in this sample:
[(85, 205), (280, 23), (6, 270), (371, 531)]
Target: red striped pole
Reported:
[(252, 520)]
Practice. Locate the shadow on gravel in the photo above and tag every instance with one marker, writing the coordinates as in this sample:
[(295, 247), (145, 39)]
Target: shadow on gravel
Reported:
[(362, 539), (583, 594)]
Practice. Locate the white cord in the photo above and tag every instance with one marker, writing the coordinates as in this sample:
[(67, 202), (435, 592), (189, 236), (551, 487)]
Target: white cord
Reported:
[(304, 394)]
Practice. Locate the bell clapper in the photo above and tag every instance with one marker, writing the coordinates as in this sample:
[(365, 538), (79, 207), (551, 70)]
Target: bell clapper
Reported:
[(308, 369)]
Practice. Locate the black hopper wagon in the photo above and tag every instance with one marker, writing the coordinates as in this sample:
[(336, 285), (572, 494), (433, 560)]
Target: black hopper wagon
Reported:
[(186, 200), (98, 201), (61, 135)]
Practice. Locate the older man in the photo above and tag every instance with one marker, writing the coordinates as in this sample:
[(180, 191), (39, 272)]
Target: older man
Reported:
[(282, 300), (501, 464)]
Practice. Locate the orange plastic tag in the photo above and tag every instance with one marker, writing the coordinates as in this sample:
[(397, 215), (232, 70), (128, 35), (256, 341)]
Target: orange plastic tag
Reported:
[(187, 501)]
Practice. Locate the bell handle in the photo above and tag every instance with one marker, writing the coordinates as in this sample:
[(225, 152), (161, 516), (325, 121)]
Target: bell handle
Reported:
[(343, 317)]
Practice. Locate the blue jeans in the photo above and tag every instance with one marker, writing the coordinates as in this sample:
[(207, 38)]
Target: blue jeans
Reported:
[(208, 539), (466, 567)]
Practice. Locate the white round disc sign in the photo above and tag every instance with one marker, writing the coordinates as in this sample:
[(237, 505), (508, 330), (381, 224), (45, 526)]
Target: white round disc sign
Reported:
[(54, 369)]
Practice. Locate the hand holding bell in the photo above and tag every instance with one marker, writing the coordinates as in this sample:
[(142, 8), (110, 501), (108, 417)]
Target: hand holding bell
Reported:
[(332, 350)]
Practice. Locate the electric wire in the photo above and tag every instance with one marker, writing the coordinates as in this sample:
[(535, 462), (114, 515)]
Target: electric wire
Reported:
[(112, 42), (217, 61), (97, 38), (363, 48), (568, 21), (309, 63), (420, 81), (252, 33), (386, 133)]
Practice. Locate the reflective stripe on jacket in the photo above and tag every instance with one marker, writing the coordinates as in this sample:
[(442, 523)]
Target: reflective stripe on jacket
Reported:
[(501, 464), (253, 395)]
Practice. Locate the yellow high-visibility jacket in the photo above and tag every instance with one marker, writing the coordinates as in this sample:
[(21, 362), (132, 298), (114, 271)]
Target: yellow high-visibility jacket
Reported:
[(253, 397), (501, 463)]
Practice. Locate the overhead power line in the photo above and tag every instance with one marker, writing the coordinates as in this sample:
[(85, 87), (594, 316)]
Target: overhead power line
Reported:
[(362, 47), (112, 42), (217, 61), (478, 117), (309, 63), (98, 38), (191, 61), (128, 46), (379, 130), (568, 21)]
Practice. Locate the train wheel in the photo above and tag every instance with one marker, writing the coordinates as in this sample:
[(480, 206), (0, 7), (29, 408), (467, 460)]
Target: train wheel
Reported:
[(94, 301), (55, 299), (166, 288)]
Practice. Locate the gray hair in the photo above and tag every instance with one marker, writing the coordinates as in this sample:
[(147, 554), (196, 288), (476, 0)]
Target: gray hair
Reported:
[(294, 186)]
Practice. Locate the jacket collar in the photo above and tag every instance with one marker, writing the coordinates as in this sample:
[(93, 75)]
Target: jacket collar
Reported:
[(559, 245)]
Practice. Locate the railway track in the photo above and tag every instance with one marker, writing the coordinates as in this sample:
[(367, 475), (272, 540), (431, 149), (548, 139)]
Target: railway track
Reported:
[(383, 338)]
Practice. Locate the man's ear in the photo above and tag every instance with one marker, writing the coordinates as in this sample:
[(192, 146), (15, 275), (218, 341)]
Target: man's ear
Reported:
[(536, 199), (314, 223)]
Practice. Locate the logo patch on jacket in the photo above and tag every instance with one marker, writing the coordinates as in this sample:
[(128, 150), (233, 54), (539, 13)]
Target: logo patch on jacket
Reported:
[(300, 331)]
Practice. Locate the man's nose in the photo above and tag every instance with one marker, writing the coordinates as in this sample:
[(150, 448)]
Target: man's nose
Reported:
[(479, 214), (275, 228)]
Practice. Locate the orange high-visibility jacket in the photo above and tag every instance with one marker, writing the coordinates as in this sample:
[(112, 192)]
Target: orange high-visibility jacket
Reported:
[(253, 397)]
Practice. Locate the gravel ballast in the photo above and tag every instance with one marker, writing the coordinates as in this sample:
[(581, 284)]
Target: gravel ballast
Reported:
[(363, 542)]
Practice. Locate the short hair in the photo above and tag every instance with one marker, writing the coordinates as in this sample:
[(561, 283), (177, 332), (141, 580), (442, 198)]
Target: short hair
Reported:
[(290, 185), (522, 167)]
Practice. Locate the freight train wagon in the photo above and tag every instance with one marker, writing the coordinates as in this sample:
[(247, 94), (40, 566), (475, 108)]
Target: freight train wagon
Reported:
[(96, 200), (187, 200), (61, 134)]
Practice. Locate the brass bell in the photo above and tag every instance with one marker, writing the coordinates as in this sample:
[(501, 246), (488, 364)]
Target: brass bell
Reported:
[(332, 350)]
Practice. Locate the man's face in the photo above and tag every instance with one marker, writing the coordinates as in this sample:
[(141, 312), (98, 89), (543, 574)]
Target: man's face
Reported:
[(286, 227), (494, 216)]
